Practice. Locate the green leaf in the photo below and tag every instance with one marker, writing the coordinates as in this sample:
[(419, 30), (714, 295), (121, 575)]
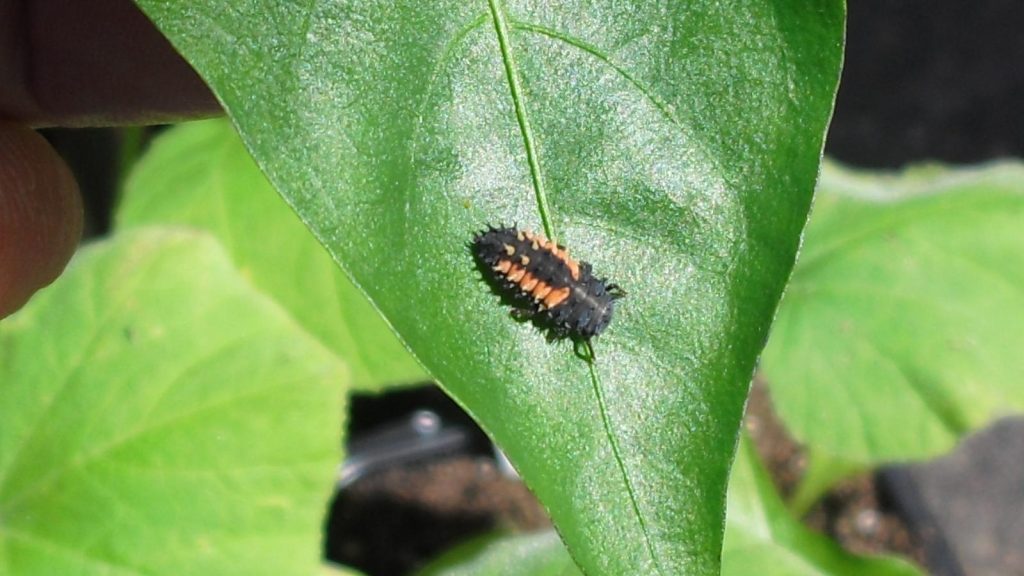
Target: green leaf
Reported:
[(821, 472), (900, 331), (200, 175), (674, 146), (760, 538), (162, 417), (335, 570), (539, 554)]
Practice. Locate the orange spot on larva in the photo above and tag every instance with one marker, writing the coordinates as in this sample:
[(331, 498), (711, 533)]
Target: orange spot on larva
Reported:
[(528, 282), (574, 268), (556, 297)]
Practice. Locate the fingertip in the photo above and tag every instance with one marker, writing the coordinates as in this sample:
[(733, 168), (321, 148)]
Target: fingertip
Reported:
[(40, 215)]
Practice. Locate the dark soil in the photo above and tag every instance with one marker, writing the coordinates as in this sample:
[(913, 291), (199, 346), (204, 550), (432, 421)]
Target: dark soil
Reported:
[(393, 522), (854, 513)]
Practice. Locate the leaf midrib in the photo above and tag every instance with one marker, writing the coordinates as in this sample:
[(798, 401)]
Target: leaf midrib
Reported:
[(540, 193), (519, 103)]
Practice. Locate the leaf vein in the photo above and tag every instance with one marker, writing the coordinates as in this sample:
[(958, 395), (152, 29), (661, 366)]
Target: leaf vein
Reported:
[(90, 342), (519, 103), (45, 545), (617, 453), (663, 107)]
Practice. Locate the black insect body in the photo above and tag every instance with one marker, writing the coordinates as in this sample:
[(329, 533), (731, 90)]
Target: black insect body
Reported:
[(544, 283)]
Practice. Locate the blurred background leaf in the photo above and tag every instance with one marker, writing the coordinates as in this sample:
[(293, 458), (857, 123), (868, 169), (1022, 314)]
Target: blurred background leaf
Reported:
[(335, 570), (761, 537), (900, 330), (537, 554), (162, 417), (200, 175)]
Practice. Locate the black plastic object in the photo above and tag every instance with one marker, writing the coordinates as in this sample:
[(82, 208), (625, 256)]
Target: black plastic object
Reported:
[(967, 508)]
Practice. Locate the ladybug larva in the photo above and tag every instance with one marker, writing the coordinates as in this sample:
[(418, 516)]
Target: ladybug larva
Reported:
[(544, 283)]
